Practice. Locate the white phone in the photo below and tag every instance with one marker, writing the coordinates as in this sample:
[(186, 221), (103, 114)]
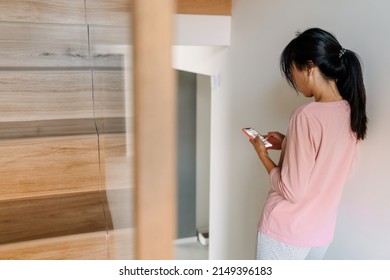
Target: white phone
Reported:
[(253, 133)]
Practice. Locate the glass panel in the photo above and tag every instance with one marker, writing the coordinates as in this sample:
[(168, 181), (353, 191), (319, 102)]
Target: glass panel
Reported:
[(66, 134), (112, 91), (50, 189)]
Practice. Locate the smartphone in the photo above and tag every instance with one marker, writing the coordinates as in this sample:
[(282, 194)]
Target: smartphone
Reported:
[(253, 133)]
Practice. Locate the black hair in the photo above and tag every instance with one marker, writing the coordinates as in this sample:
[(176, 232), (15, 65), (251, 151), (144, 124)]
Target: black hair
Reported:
[(336, 63)]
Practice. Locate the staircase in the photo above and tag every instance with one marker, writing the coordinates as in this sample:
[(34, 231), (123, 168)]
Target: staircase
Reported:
[(65, 188)]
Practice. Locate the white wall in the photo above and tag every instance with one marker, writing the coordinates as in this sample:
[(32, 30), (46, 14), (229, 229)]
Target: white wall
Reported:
[(253, 93)]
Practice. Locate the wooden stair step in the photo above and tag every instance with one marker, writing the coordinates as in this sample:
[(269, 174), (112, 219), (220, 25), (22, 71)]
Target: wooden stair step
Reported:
[(86, 246), (49, 95), (52, 216), (49, 166), (101, 245), (43, 45), (69, 11), (60, 127)]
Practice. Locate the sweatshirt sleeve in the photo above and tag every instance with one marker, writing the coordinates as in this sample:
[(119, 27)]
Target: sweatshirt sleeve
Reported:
[(291, 179)]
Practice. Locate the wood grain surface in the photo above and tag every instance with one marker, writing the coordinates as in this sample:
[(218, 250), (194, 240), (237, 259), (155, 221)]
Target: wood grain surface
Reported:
[(43, 45), (45, 95), (109, 94), (40, 217), (87, 246), (43, 11), (47, 166), (122, 245), (51, 128), (155, 114), (65, 190), (204, 7), (108, 12)]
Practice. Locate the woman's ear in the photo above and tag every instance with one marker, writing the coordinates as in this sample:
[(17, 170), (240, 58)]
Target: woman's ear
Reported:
[(309, 67)]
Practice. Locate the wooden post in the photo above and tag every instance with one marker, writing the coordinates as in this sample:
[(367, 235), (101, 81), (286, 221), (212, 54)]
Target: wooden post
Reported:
[(154, 129)]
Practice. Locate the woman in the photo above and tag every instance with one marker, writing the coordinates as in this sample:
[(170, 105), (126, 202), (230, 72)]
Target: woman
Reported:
[(299, 216)]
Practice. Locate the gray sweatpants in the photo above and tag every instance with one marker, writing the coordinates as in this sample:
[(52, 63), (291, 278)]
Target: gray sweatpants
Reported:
[(271, 249)]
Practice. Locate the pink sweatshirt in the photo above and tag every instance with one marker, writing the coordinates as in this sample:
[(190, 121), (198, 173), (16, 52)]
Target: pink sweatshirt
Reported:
[(316, 159)]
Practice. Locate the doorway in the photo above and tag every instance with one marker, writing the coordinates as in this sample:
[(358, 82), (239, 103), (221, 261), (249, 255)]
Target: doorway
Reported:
[(193, 165)]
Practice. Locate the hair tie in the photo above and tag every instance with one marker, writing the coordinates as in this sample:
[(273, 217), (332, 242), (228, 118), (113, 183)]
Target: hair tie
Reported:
[(342, 52)]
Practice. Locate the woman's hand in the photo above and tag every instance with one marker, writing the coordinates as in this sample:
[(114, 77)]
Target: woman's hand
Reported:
[(258, 145), (276, 139), (261, 151)]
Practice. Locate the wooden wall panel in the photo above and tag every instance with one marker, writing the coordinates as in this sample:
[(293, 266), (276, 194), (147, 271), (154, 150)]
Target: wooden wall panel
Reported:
[(48, 166), (204, 7), (45, 95), (43, 11), (43, 45)]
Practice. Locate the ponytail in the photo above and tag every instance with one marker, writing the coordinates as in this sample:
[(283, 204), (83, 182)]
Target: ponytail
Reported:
[(335, 63), (351, 88)]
